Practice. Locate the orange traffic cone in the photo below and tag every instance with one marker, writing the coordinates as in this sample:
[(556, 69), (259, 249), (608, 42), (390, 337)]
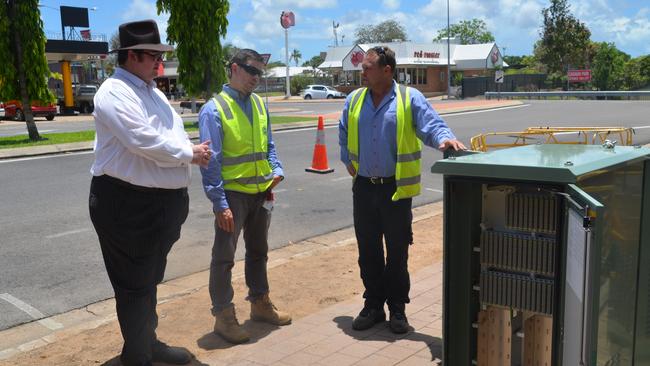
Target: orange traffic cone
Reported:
[(319, 162)]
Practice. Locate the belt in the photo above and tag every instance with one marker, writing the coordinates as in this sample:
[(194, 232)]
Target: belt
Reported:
[(133, 187), (377, 180)]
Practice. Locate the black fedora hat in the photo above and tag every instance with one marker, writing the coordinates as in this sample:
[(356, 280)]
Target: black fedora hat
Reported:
[(141, 35)]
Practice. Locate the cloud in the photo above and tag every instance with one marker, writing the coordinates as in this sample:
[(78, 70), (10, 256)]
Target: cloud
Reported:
[(391, 4), (629, 33), (144, 9)]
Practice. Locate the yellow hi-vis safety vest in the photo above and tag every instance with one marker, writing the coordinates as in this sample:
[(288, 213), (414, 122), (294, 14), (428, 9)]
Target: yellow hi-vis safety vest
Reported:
[(409, 148), (245, 166)]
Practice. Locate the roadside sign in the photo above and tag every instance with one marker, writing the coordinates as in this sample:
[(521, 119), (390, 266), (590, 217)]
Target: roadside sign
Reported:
[(498, 76), (579, 76)]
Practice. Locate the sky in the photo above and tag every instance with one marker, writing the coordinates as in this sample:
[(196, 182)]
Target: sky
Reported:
[(255, 24)]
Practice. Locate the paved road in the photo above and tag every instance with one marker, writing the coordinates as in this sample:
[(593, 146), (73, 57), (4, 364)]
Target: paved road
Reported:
[(50, 257), (85, 122)]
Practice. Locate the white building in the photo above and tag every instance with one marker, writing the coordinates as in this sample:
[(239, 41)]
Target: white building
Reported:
[(421, 65)]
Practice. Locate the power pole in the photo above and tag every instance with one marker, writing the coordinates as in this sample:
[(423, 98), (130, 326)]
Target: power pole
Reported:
[(448, 56)]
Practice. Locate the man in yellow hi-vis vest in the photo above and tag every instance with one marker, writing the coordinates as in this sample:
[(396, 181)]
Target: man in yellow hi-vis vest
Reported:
[(379, 133), (238, 180)]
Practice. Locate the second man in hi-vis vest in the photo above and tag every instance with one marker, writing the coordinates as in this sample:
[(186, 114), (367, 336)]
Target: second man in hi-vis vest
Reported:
[(379, 134), (243, 170)]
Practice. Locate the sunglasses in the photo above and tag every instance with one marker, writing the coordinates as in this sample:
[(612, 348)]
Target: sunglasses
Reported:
[(251, 70), (380, 50), (157, 56)]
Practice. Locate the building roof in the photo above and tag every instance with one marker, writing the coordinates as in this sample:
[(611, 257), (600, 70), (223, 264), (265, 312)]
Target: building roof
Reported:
[(409, 53)]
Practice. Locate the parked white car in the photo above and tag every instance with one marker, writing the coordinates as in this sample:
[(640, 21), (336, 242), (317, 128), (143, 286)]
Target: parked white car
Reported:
[(2, 110), (321, 92)]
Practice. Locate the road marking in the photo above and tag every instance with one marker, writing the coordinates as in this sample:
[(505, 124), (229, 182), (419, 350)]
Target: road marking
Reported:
[(66, 233), (303, 129), (435, 190), (279, 190), (341, 178), (46, 156), (640, 127), (452, 114), (31, 311)]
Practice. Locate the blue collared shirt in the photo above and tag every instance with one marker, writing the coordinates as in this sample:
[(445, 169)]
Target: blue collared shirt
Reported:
[(378, 129), (210, 129)]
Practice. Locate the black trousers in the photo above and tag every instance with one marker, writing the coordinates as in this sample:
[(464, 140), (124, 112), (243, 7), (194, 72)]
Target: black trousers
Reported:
[(376, 216), (137, 227)]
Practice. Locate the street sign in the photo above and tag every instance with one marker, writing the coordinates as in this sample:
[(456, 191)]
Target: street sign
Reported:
[(579, 76), (287, 19), (498, 76)]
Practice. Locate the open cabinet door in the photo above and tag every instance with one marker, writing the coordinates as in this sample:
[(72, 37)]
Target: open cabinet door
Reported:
[(583, 227)]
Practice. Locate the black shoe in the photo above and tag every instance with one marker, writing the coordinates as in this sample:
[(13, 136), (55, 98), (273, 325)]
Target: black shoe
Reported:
[(398, 323), (173, 355), (367, 318)]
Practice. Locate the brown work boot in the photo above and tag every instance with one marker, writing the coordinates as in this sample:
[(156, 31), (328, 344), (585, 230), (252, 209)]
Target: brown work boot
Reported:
[(227, 326), (262, 309)]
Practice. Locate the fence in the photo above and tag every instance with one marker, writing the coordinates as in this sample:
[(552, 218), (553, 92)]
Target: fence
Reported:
[(475, 86)]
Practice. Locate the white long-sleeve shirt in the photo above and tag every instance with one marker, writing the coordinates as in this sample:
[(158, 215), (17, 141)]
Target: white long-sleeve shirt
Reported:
[(139, 137)]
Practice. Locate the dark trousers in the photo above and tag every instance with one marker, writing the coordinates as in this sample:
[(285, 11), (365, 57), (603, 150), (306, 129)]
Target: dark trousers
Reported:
[(136, 227), (376, 216), (252, 218)]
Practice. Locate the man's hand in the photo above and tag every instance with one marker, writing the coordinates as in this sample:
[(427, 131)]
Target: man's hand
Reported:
[(225, 220), (201, 154), (351, 170), (276, 180), (454, 144)]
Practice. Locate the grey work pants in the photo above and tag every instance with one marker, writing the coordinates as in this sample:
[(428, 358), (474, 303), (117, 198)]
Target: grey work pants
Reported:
[(254, 220)]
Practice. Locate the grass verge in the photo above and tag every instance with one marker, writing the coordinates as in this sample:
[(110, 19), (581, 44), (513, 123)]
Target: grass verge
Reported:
[(89, 135)]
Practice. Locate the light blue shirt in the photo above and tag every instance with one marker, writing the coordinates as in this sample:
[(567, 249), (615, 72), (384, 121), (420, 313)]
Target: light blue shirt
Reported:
[(210, 129), (378, 130)]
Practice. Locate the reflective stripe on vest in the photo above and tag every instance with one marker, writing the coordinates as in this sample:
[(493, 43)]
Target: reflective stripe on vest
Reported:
[(245, 166), (409, 148)]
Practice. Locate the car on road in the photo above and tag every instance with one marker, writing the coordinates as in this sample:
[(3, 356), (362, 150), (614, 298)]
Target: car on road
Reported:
[(2, 110), (14, 110), (321, 92)]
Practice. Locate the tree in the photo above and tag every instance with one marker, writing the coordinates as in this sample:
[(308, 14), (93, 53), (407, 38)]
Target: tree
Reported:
[(296, 56), (24, 71), (386, 31), (273, 64), (196, 27), (314, 62), (608, 67), (229, 51), (564, 39), (111, 59), (469, 31)]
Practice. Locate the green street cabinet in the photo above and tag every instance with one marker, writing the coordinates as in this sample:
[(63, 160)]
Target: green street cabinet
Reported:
[(547, 256)]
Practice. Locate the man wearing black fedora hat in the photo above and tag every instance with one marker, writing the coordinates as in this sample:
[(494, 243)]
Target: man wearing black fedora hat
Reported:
[(138, 194)]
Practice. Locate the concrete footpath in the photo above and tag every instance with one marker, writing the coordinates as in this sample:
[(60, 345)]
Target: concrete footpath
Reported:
[(317, 280), (320, 334)]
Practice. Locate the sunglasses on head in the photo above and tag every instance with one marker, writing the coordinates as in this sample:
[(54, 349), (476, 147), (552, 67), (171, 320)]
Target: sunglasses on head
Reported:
[(380, 50), (251, 70), (158, 56)]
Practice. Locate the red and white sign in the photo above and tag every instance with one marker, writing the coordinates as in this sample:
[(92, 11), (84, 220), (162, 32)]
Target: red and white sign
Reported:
[(579, 76), (426, 54), (354, 58), (287, 19)]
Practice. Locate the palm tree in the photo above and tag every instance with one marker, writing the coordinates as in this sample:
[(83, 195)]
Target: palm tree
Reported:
[(296, 56)]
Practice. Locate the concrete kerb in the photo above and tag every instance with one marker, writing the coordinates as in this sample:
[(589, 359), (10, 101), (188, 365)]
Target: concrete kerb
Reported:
[(29, 336)]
